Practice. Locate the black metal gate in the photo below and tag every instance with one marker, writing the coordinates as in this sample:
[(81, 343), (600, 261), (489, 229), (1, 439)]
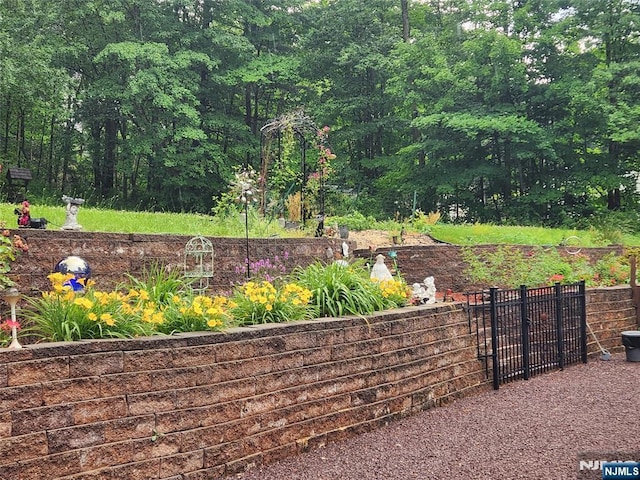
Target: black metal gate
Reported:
[(528, 331)]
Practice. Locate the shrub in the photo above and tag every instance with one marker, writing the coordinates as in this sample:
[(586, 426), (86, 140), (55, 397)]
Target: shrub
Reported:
[(355, 221), (510, 267)]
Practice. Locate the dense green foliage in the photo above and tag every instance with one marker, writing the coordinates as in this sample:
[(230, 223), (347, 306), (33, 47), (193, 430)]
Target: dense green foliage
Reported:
[(509, 267), (486, 111)]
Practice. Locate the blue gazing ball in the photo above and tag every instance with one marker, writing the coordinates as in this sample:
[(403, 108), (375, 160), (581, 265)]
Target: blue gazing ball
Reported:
[(76, 265)]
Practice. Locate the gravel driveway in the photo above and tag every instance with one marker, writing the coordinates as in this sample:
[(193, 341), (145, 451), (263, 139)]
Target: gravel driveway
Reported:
[(534, 429)]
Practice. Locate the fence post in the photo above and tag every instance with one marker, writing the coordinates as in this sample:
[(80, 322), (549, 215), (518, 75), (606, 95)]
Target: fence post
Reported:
[(559, 325), (583, 320), (524, 338), (494, 338)]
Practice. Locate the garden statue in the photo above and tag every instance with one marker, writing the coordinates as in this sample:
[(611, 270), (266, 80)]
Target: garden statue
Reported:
[(380, 271), (329, 253), (345, 250), (24, 214), (430, 285), (73, 205), (419, 294)]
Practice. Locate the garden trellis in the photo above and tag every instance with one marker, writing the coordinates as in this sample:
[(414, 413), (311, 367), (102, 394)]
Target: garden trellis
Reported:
[(286, 168)]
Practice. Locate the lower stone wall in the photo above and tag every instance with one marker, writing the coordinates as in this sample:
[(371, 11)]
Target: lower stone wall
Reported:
[(609, 311), (208, 405)]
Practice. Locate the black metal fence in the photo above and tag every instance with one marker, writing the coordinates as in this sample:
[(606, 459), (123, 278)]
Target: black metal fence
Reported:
[(526, 331)]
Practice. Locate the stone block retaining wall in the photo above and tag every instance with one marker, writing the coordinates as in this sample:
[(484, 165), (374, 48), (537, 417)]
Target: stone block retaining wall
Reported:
[(207, 405), (111, 255)]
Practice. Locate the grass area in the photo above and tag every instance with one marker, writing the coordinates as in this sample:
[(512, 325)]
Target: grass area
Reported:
[(479, 234), (114, 221), (120, 221), (494, 234)]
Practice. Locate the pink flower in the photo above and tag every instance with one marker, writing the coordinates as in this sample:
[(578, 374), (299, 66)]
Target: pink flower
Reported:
[(8, 325)]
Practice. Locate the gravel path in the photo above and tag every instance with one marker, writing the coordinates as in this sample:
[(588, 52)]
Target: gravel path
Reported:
[(534, 429)]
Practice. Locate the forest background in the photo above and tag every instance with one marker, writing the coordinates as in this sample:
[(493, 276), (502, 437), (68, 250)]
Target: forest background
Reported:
[(508, 112)]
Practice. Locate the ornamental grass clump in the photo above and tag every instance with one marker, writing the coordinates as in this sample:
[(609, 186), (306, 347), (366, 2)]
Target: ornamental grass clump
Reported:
[(339, 289)]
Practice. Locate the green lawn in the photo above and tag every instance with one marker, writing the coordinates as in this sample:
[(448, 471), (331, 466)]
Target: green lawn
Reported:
[(105, 220)]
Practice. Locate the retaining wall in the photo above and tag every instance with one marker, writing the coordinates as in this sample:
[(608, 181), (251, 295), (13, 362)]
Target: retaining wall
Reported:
[(208, 405), (112, 255)]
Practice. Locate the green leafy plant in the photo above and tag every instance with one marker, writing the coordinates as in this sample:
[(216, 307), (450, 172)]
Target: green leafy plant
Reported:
[(165, 299), (160, 284), (355, 221), (196, 314), (510, 267), (63, 314), (9, 250), (395, 292), (340, 289), (5, 332), (262, 302), (423, 222)]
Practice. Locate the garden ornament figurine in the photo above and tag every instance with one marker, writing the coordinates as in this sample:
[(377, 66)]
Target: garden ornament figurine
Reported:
[(345, 250), (419, 294), (24, 217), (380, 272), (430, 285), (24, 214), (73, 205)]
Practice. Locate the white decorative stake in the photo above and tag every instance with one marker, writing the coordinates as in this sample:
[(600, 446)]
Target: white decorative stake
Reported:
[(12, 296)]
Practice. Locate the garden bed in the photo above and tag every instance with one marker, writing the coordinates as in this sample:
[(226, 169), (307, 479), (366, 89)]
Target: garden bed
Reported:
[(205, 405)]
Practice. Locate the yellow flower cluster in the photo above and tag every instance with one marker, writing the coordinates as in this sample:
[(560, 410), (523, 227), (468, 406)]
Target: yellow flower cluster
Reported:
[(394, 289), (214, 310), (263, 293), (261, 301), (60, 282), (296, 294)]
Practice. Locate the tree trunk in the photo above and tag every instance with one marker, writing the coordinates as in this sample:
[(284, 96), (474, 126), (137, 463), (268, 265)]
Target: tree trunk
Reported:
[(109, 166), (7, 121), (404, 5)]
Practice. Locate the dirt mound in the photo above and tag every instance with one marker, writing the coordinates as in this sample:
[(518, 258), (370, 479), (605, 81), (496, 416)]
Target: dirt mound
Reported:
[(382, 238)]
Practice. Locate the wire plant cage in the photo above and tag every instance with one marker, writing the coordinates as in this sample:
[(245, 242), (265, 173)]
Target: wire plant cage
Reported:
[(198, 262)]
